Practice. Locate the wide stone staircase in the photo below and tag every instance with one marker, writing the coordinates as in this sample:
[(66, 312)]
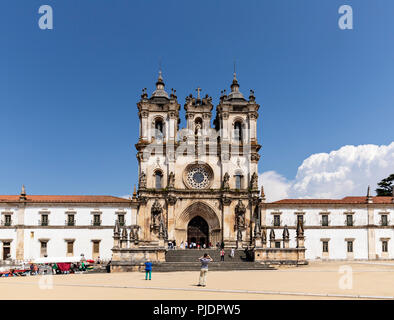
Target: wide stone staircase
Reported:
[(188, 260)]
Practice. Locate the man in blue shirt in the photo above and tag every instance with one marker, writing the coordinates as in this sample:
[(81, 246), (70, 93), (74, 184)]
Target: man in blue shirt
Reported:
[(204, 269), (148, 270)]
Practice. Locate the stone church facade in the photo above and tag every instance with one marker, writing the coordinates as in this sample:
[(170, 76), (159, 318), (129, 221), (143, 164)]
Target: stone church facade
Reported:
[(198, 184)]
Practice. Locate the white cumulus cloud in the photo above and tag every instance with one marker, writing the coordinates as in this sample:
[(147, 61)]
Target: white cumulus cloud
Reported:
[(343, 172)]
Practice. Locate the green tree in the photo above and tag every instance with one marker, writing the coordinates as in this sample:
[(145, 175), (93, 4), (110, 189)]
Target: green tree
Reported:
[(385, 187)]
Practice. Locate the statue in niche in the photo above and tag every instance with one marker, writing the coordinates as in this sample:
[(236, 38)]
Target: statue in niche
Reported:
[(142, 180), (156, 213), (240, 214), (171, 180), (226, 178), (254, 185)]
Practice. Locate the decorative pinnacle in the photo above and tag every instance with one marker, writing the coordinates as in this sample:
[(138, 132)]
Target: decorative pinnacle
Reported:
[(134, 193)]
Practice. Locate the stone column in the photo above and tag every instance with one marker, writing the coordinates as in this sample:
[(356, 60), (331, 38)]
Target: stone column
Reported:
[(286, 237), (371, 233), (20, 231), (228, 221)]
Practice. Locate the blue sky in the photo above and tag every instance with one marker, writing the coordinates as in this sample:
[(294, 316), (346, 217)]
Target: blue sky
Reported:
[(68, 95)]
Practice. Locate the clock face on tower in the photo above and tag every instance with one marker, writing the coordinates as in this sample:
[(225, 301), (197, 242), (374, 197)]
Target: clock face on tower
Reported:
[(198, 176)]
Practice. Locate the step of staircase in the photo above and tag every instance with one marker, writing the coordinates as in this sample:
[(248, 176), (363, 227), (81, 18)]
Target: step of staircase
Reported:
[(192, 255), (213, 266)]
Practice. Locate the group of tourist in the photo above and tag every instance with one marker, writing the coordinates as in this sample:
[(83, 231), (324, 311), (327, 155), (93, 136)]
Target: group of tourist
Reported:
[(194, 245)]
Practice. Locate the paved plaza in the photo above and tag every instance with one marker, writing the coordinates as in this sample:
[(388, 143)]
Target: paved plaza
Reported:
[(319, 280)]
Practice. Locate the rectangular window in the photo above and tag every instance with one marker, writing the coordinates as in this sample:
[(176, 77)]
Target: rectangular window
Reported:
[(121, 219), (6, 250), (7, 220), (384, 220), (70, 220), (349, 220), (325, 246), (349, 246), (300, 218), (276, 220), (324, 220), (44, 219), (277, 244), (96, 220), (43, 249), (96, 246), (70, 247), (385, 246)]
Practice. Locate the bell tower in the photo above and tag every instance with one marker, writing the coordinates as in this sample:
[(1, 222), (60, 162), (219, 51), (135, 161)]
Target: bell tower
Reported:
[(236, 120)]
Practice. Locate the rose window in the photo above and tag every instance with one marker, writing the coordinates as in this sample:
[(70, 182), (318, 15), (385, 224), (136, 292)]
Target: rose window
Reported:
[(198, 177)]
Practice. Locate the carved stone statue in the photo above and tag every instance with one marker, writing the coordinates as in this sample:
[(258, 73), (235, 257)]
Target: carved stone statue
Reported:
[(272, 235), (226, 178), (254, 185), (240, 214), (142, 180), (134, 233), (286, 235), (171, 180), (264, 235), (162, 230), (300, 228), (156, 213)]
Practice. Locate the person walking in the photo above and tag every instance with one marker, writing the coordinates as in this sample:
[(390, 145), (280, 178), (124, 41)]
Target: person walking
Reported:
[(232, 253), (222, 255), (186, 247), (205, 259), (148, 270)]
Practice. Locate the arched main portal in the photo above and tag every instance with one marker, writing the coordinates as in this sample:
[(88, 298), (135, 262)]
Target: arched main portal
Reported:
[(204, 212), (198, 231)]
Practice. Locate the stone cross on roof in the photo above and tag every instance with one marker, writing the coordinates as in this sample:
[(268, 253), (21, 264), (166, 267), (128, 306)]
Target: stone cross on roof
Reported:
[(198, 92)]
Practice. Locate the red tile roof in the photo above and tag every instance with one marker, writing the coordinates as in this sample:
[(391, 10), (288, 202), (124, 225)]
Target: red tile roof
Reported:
[(346, 200), (62, 199)]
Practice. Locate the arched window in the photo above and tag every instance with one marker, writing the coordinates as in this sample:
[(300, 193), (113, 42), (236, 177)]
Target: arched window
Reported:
[(197, 125), (158, 179), (238, 181), (159, 129), (238, 131)]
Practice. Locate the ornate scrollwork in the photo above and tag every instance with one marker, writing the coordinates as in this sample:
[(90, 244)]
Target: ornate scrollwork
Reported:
[(171, 200), (226, 201)]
